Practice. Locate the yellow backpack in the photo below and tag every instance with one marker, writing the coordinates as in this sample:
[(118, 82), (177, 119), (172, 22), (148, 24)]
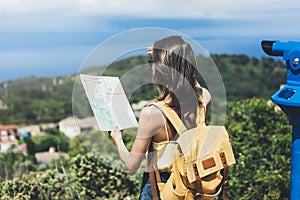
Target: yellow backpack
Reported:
[(200, 169)]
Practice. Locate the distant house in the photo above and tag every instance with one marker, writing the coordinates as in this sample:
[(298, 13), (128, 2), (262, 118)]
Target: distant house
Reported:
[(46, 156), (8, 137), (8, 133), (34, 130), (2, 105), (68, 127), (48, 125), (87, 124), (71, 126)]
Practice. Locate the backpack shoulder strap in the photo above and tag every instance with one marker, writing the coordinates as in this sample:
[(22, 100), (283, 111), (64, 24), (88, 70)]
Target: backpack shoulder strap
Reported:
[(171, 115)]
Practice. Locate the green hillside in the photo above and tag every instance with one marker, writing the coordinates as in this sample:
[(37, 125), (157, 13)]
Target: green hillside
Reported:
[(34, 99)]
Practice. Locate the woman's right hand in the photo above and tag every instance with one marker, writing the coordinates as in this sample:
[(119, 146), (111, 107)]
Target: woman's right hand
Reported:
[(116, 135)]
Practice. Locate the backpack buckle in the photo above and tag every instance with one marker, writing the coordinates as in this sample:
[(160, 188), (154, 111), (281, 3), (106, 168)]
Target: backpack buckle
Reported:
[(198, 195)]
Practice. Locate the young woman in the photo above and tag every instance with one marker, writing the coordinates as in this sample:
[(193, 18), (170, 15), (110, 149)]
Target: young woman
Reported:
[(174, 72)]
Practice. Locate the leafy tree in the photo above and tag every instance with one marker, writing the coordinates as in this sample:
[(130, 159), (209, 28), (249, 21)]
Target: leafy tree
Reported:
[(54, 138), (261, 139), (77, 147), (30, 145), (93, 141), (240, 59), (15, 165)]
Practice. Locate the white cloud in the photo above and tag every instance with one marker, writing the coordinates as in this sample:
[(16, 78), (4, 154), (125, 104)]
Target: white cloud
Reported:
[(28, 7), (79, 15), (48, 23), (153, 8)]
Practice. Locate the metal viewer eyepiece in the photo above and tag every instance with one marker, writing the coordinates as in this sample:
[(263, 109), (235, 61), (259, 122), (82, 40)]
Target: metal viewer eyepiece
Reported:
[(267, 47)]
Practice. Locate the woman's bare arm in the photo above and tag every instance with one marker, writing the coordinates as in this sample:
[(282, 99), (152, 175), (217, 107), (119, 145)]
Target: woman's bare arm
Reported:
[(150, 123)]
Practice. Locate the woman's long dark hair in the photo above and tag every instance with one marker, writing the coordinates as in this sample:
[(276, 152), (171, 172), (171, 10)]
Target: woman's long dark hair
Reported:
[(174, 72)]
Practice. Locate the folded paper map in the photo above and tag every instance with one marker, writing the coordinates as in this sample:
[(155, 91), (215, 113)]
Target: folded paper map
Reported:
[(109, 102)]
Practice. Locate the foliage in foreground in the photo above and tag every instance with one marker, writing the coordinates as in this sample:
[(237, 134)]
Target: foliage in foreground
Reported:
[(15, 165), (261, 139), (89, 177)]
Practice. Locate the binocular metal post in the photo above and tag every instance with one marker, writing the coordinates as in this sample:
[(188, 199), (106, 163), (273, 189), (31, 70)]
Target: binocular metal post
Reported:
[(288, 98)]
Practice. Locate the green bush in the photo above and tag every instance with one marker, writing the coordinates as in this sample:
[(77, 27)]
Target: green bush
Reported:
[(15, 165), (30, 145), (54, 138), (88, 177), (261, 139), (102, 177), (46, 185), (77, 147)]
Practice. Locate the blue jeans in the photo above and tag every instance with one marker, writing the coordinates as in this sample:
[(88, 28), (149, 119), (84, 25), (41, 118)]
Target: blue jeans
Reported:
[(146, 192)]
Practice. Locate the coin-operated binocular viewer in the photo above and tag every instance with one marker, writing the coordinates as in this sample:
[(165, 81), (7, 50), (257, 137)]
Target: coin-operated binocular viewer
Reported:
[(288, 98)]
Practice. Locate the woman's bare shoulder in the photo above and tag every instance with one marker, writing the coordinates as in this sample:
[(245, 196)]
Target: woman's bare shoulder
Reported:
[(151, 112), (206, 93), (151, 117), (206, 96)]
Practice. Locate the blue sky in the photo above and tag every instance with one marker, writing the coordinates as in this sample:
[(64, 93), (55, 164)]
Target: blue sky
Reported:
[(53, 37)]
